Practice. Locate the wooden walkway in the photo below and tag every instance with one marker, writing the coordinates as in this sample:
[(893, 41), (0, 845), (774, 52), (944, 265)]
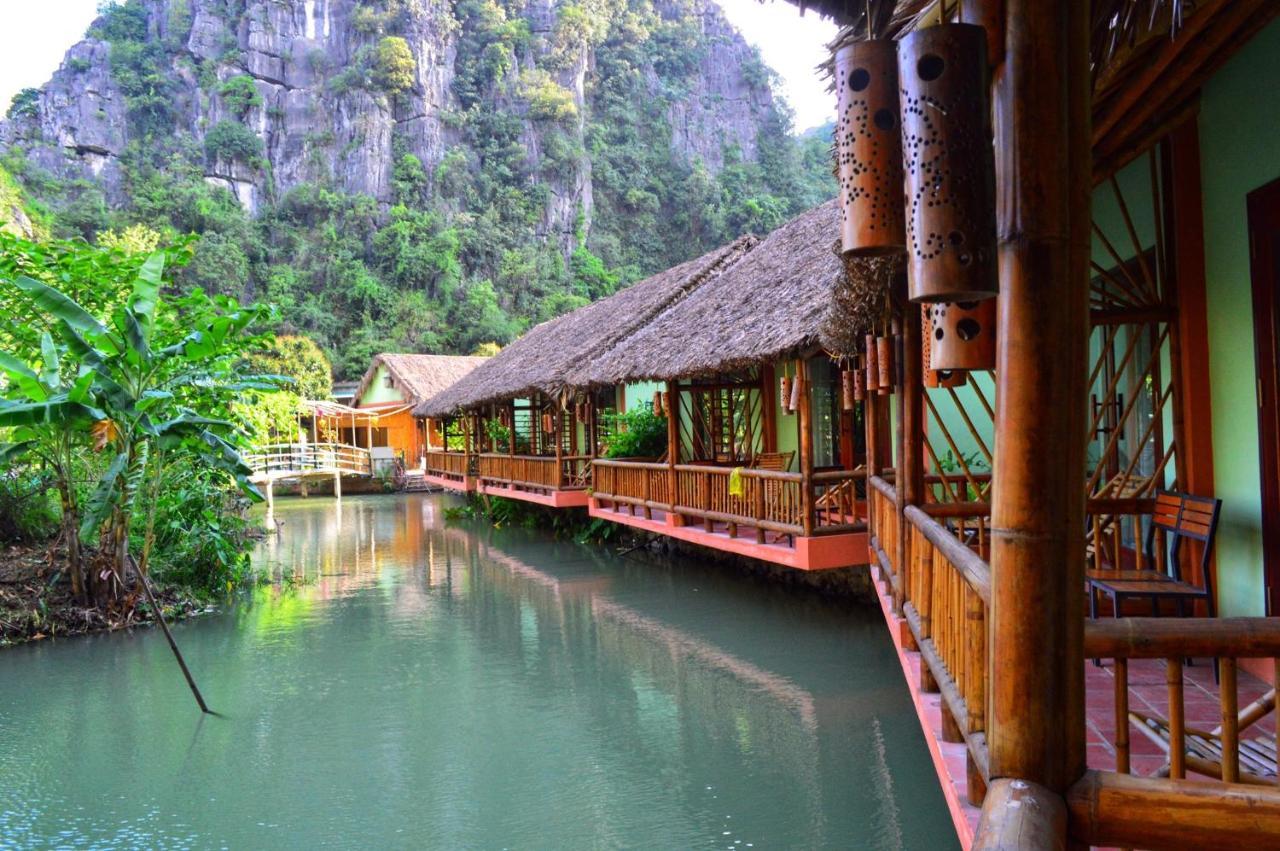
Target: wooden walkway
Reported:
[(301, 461)]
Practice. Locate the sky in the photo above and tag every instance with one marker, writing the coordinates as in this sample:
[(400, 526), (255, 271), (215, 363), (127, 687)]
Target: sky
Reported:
[(34, 34)]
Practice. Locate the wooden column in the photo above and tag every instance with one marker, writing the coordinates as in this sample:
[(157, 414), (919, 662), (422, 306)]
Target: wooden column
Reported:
[(804, 422), (557, 426), (1189, 338), (769, 408), (1042, 155), (910, 467), (673, 439)]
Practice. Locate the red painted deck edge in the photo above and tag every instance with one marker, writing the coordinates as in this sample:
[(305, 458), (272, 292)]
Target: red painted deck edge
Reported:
[(554, 499), (964, 816), (465, 486), (824, 552)]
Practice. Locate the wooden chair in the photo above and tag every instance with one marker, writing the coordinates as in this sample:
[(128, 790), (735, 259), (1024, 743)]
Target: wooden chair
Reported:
[(1203, 750), (778, 462), (1177, 517)]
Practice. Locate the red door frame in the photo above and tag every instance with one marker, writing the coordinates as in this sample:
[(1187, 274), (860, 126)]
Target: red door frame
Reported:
[(1264, 265)]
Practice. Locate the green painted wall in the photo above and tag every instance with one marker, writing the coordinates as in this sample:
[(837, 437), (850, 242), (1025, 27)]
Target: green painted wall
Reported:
[(378, 391), (1240, 151), (640, 394)]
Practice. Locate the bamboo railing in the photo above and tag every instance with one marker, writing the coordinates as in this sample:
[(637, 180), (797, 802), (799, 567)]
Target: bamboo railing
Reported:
[(523, 471), (943, 591), (281, 460), (1230, 807), (770, 501), (448, 465)]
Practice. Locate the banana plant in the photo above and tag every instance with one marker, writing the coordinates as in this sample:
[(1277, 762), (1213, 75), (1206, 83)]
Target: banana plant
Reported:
[(155, 387), (47, 415)]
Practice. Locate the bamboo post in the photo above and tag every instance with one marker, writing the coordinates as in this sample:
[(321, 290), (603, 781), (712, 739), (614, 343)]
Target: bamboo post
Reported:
[(673, 441), (1177, 719), (173, 645), (1041, 118), (558, 425), (1228, 701), (804, 424), (911, 415)]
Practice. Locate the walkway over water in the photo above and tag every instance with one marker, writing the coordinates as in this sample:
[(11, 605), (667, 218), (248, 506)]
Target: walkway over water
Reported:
[(413, 683), (281, 461)]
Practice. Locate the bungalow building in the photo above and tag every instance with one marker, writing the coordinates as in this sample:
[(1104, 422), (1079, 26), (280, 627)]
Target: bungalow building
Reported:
[(747, 469), (384, 400), (518, 428)]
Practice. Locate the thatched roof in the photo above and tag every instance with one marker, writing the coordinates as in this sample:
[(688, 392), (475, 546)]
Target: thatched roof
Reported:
[(773, 303), (418, 377), (542, 359)]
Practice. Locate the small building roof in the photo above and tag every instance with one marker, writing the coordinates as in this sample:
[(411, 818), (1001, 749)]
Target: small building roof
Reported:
[(542, 360), (418, 377), (774, 303)]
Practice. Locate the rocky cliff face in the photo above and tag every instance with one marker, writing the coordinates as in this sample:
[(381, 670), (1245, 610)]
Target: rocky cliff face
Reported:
[(329, 94)]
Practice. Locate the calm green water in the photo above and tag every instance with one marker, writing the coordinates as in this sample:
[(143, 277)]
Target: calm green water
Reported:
[(435, 686)]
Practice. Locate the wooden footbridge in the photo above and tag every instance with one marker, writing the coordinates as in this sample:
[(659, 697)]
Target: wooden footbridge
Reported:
[(304, 461)]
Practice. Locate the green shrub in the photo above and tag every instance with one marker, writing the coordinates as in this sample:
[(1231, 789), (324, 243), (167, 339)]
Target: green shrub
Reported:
[(28, 505), (638, 433), (231, 140), (25, 103), (548, 100), (393, 65), (240, 94)]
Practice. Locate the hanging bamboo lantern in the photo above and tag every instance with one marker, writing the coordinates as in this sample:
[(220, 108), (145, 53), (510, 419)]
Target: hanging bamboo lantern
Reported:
[(547, 425), (934, 378), (859, 385), (847, 399), (962, 335), (657, 402), (869, 148), (873, 369), (666, 402), (884, 362), (948, 162), (797, 387), (784, 394)]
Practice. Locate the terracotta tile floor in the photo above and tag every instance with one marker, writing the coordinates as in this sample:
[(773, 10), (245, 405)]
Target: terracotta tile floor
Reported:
[(1148, 694)]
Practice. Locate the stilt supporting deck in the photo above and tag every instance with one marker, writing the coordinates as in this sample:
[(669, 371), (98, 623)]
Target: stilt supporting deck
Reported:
[(1042, 137)]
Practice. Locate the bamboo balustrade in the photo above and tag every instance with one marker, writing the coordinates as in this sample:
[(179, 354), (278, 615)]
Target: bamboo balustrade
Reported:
[(944, 588), (1226, 806), (532, 472), (281, 460), (771, 501), (447, 465)]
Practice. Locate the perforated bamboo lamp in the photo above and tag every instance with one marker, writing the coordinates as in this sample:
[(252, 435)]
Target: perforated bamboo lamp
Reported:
[(847, 399), (547, 426), (666, 402), (948, 164), (935, 378), (962, 335), (859, 385), (873, 369), (657, 402), (784, 393), (869, 148), (797, 390), (884, 363)]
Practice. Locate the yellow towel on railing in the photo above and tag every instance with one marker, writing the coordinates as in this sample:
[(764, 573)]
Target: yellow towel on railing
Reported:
[(735, 482)]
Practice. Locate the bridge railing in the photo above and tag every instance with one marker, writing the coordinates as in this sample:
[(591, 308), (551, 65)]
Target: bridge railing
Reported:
[(281, 459)]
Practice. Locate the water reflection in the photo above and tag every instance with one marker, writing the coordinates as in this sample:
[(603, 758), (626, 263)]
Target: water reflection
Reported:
[(411, 683)]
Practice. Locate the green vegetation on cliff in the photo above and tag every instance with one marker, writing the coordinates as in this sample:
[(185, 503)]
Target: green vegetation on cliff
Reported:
[(479, 242)]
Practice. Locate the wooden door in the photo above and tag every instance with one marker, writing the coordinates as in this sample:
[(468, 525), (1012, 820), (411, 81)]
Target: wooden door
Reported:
[(1264, 257)]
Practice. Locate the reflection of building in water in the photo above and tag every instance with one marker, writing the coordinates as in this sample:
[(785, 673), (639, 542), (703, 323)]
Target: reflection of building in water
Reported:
[(651, 693), (674, 689)]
